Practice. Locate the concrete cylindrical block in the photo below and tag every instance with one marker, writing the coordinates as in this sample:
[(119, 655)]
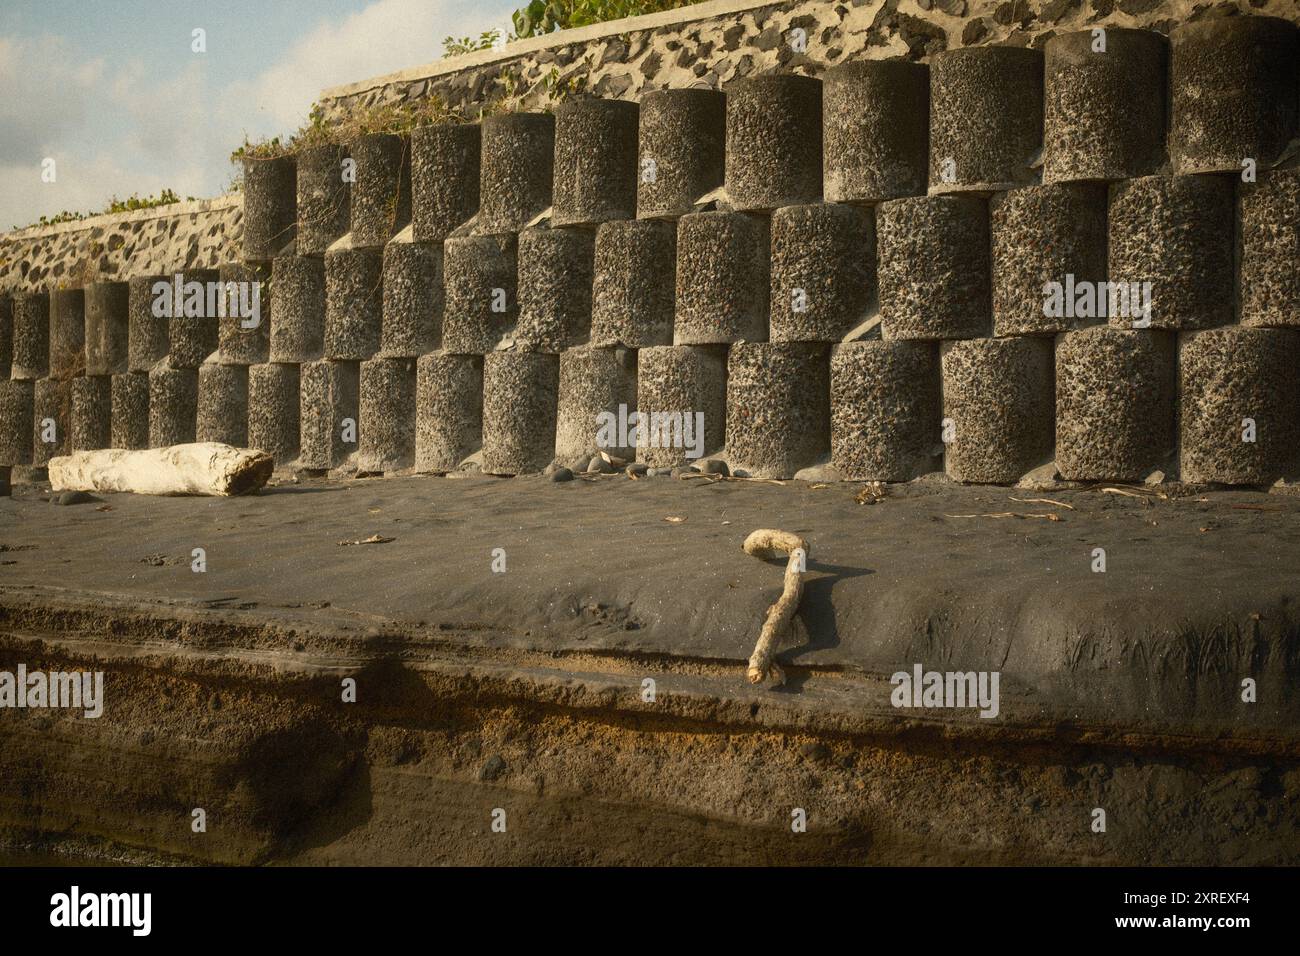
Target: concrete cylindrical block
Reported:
[(244, 332), (1233, 84), (17, 412), (130, 411), (723, 275), (354, 303), (67, 333), (682, 143), (1104, 110), (297, 309), (6, 335), (107, 327), (1238, 398), (1049, 258), (998, 395), (885, 409), (1268, 213), (1115, 395), (147, 325), (270, 206), (223, 404), (681, 396), (387, 415), (479, 278), (597, 392), (632, 298), (323, 199), (445, 170), (823, 271), (381, 196), (1174, 232), (518, 158), (173, 405), (51, 421), (595, 161), (774, 141), (412, 299), (778, 406), (986, 118), (520, 401), (273, 410), (193, 331), (330, 397), (555, 279), (92, 409), (934, 267), (448, 410), (31, 348), (876, 130)]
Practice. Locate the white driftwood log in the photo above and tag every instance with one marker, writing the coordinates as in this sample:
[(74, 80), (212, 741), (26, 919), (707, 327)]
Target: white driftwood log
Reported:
[(202, 468), (769, 543)]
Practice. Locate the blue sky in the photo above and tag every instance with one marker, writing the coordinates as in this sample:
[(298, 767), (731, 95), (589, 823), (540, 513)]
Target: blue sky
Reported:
[(113, 92)]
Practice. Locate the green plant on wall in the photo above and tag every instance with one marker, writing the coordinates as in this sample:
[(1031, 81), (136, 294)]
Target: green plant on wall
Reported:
[(165, 198), (547, 16), (451, 46)]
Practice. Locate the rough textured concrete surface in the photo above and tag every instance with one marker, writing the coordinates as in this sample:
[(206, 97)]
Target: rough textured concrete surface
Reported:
[(555, 281), (270, 206), (1238, 397), (999, 399), (1176, 233), (986, 118), (173, 405), (633, 286), (876, 130), (273, 410), (1268, 216), (17, 412), (6, 335), (323, 199), (92, 409), (130, 412), (329, 395), (885, 410), (680, 387), (479, 278), (1234, 93), (412, 299), (445, 170), (682, 140), (31, 336), (223, 404), (387, 426), (107, 327), (517, 162), (823, 271), (594, 381), (723, 275), (51, 420), (1115, 397), (193, 331), (774, 141), (934, 267), (1104, 111), (239, 340), (1042, 235), (520, 402), (354, 303), (146, 332), (297, 309), (448, 410), (67, 333), (778, 407), (595, 161), (381, 196)]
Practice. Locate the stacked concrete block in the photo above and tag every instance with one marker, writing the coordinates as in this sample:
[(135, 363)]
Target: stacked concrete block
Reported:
[(67, 333), (1268, 214), (17, 412), (1233, 85), (445, 170), (244, 332), (885, 409), (193, 330), (934, 267), (481, 307), (92, 409), (270, 206), (555, 281), (330, 398), (6, 335), (595, 162), (173, 405), (520, 404), (682, 142), (998, 396), (107, 327), (323, 199), (223, 404), (130, 411), (1238, 400), (412, 299), (682, 401), (876, 130), (774, 141), (297, 309), (51, 420), (986, 118), (1174, 232), (632, 289), (380, 201), (147, 300), (823, 271), (273, 410), (518, 158), (448, 410), (778, 407), (1049, 258), (1115, 398), (723, 275), (354, 303), (387, 415), (31, 336), (597, 392)]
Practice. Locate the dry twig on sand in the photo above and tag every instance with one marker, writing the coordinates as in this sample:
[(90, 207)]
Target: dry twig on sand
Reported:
[(769, 543)]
